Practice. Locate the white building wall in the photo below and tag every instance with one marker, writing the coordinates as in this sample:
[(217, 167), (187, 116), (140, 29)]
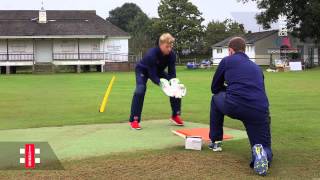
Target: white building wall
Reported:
[(20, 46), (217, 54), (117, 49), (91, 49), (91, 45), (3, 50), (3, 46), (110, 49), (65, 46), (316, 55), (250, 51), (117, 45), (20, 49)]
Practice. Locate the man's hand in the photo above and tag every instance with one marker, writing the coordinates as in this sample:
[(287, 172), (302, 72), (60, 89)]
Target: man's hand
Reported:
[(178, 90), (166, 88)]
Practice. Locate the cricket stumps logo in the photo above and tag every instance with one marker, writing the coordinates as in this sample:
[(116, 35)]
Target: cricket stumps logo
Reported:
[(31, 156), (27, 156)]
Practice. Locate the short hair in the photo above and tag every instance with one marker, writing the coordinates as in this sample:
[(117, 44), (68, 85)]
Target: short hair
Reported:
[(166, 38), (238, 44)]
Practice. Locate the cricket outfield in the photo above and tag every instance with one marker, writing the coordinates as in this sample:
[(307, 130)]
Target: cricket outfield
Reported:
[(63, 110)]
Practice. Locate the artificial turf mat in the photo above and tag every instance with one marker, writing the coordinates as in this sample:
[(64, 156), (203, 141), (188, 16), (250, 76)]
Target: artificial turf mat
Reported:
[(83, 141)]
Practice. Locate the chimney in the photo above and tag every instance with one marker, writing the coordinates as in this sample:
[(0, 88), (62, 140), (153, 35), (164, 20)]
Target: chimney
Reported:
[(42, 15)]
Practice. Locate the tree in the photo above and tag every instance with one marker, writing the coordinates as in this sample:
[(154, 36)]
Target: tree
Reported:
[(217, 31), (122, 16), (234, 27), (141, 32), (303, 16), (130, 18), (183, 20)]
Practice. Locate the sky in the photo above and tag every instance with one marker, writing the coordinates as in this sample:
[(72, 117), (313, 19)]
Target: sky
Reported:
[(211, 9)]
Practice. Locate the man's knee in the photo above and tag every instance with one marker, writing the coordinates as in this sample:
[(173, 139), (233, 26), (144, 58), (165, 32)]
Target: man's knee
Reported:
[(218, 101), (140, 90)]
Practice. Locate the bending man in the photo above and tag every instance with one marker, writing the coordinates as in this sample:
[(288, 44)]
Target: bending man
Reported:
[(152, 67)]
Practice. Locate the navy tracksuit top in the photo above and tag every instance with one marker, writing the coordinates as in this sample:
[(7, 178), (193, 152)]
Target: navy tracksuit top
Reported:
[(154, 63), (242, 80)]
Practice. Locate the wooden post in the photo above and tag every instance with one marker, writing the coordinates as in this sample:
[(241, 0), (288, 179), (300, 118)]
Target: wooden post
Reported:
[(318, 55), (7, 49), (7, 69), (78, 69), (33, 51), (53, 68), (102, 68), (78, 48)]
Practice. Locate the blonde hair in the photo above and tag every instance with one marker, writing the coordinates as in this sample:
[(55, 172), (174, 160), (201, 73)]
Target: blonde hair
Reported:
[(166, 38)]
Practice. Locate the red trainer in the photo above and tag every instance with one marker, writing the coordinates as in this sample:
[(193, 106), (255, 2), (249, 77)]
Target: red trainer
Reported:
[(135, 125), (177, 120)]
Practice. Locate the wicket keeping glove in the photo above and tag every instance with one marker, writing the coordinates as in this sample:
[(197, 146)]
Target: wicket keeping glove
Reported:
[(166, 88), (178, 90), (183, 90)]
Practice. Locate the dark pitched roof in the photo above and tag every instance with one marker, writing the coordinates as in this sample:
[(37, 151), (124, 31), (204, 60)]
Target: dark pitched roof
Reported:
[(250, 38), (24, 23)]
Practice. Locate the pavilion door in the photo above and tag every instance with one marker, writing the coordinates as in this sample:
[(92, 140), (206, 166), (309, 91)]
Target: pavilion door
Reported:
[(43, 51)]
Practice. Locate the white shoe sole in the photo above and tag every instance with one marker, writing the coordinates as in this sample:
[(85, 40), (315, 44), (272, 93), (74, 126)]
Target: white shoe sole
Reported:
[(217, 150), (135, 128), (176, 123)]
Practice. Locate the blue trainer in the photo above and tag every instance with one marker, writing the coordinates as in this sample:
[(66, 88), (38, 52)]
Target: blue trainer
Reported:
[(260, 164)]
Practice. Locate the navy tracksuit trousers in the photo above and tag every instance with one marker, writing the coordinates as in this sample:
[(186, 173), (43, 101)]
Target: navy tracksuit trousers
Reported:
[(257, 123), (139, 93)]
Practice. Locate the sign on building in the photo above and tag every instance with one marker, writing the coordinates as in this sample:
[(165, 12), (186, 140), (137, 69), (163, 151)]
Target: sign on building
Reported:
[(283, 30)]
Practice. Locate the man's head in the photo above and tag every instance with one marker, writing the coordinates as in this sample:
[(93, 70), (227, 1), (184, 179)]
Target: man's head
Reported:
[(237, 44), (166, 41)]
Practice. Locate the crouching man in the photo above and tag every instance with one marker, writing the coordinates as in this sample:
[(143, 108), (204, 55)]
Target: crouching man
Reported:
[(152, 67), (239, 92)]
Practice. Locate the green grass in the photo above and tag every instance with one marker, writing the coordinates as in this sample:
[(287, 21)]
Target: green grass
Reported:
[(66, 99)]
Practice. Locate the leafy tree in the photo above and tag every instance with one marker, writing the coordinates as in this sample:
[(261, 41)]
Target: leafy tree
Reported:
[(182, 19), (234, 27), (133, 20), (303, 16), (122, 16), (141, 32), (217, 31)]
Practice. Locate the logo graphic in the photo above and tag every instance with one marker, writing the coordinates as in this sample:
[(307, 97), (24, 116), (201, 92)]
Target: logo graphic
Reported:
[(30, 160)]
